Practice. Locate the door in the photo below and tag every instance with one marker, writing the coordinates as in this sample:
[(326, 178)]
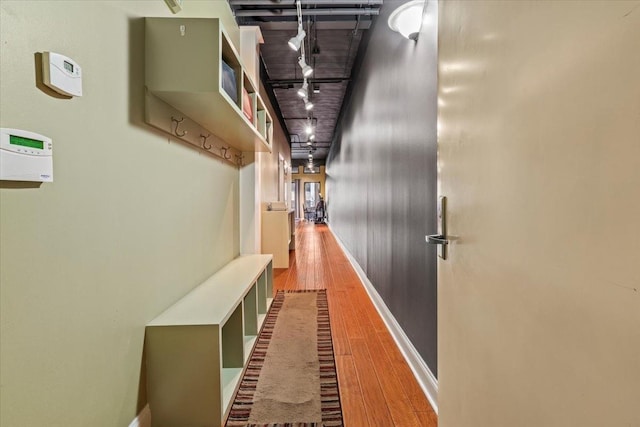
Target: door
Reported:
[(539, 157)]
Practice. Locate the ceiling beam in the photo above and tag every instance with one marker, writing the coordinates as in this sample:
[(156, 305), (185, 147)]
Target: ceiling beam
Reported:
[(308, 12), (311, 80), (364, 24)]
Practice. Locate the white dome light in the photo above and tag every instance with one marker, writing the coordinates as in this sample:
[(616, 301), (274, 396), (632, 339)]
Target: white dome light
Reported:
[(407, 19)]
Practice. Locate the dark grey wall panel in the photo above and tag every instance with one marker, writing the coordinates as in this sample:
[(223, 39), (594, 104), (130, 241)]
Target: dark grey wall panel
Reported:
[(382, 178)]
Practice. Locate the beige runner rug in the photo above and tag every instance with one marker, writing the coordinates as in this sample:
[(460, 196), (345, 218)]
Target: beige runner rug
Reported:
[(291, 377)]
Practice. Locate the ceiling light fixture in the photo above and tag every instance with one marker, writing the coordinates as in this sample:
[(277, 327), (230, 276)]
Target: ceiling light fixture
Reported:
[(303, 92), (297, 41), (407, 19), (308, 105), (306, 70), (312, 137)]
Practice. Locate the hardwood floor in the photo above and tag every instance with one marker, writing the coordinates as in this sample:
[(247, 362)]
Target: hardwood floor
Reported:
[(377, 387)]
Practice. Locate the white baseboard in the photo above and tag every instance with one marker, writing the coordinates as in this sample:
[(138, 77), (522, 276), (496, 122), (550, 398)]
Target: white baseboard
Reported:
[(143, 419), (423, 374)]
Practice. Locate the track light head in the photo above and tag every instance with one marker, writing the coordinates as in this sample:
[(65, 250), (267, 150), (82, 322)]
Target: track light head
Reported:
[(296, 41), (306, 70), (312, 137), (308, 105), (303, 92)]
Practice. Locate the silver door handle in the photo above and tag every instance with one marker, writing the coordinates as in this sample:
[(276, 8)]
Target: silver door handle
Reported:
[(437, 239)]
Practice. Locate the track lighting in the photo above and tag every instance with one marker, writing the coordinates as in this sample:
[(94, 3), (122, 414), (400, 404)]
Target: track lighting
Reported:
[(306, 70), (309, 143), (308, 105), (303, 92), (296, 41), (312, 137), (308, 129)]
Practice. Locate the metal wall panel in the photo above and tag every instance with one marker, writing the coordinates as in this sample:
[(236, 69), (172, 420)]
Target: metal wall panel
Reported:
[(382, 177)]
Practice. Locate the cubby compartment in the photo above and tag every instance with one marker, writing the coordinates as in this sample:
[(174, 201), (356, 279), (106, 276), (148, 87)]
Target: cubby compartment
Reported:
[(263, 304), (251, 326), (232, 354), (249, 97)]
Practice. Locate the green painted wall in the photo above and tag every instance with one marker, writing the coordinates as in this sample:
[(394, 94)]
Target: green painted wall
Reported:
[(132, 221)]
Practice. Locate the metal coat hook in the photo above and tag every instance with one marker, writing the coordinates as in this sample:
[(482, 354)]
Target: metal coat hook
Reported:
[(204, 141), (177, 122), (224, 151), (239, 159)]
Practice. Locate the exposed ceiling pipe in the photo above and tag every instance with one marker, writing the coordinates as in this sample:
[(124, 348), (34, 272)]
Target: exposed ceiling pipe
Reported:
[(318, 81), (365, 24), (279, 4), (309, 12)]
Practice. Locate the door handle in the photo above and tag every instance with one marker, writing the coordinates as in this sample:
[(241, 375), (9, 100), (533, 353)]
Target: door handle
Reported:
[(437, 239), (441, 238)]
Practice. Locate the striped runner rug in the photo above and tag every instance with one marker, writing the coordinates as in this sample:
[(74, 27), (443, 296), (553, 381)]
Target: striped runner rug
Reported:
[(291, 380)]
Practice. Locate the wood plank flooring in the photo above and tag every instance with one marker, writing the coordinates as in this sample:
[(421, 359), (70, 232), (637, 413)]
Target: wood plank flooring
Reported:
[(377, 387)]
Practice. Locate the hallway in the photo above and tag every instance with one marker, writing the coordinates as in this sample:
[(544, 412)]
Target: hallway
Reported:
[(377, 387)]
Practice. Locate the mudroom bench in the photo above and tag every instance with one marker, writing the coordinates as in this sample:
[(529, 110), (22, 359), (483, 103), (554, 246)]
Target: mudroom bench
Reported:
[(196, 350)]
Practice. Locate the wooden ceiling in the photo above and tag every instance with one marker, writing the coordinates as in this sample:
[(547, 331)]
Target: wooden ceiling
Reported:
[(334, 31)]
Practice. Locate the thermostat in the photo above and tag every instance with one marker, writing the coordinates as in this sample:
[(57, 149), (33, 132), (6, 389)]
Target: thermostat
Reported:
[(61, 74), (25, 156)]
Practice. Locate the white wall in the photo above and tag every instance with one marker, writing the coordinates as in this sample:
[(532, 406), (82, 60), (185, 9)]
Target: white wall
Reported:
[(132, 222)]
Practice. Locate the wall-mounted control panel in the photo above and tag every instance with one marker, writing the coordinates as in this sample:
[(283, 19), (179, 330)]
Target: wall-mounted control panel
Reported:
[(61, 74), (25, 156)]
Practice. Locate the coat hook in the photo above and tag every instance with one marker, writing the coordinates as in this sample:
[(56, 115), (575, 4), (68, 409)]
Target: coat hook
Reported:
[(240, 159), (204, 141), (224, 153), (177, 122)]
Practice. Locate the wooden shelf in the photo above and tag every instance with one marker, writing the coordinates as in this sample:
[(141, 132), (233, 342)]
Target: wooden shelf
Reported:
[(184, 67), (197, 349)]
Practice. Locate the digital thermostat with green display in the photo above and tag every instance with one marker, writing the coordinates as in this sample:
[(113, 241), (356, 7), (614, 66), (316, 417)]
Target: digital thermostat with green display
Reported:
[(25, 156)]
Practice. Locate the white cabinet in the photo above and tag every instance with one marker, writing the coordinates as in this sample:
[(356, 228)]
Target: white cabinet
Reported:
[(278, 236)]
